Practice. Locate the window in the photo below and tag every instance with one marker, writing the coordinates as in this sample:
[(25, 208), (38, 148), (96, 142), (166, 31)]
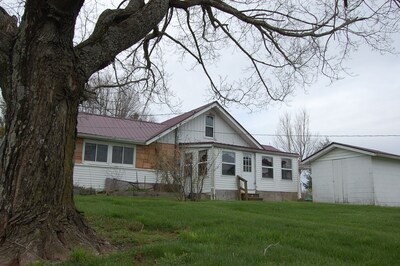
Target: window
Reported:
[(96, 152), (202, 165), (267, 167), (188, 167), (286, 168), (210, 126), (247, 162), (228, 163), (122, 155)]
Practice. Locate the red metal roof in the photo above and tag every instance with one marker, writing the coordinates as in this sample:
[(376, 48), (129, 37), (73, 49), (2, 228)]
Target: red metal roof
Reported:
[(134, 130), (127, 129), (180, 118), (270, 148), (116, 128)]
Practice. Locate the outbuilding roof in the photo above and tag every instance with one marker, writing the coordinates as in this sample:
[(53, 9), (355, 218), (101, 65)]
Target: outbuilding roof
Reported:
[(334, 145)]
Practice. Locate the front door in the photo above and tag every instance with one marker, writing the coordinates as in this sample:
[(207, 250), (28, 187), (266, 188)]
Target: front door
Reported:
[(248, 170)]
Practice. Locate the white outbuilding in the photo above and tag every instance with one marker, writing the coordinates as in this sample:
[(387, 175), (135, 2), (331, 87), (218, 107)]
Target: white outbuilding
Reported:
[(343, 173)]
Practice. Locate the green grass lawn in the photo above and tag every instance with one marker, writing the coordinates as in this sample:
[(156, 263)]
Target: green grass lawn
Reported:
[(168, 232)]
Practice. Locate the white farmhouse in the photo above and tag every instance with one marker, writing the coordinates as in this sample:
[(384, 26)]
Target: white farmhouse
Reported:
[(212, 141), (347, 174)]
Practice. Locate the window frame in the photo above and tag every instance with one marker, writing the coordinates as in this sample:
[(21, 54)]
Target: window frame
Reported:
[(95, 161), (228, 163), (209, 126), (247, 164), (124, 147), (109, 146), (270, 168), (201, 164), (286, 169), (188, 164)]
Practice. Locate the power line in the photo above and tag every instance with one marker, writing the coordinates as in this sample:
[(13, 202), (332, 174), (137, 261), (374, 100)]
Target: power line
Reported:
[(267, 134)]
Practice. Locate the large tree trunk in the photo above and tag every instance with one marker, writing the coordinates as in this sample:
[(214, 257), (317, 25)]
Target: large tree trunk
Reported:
[(38, 219)]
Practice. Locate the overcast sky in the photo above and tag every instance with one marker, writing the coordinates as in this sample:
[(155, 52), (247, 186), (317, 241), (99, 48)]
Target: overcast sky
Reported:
[(366, 103)]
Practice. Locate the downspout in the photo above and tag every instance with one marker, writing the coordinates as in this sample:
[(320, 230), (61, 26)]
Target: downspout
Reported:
[(298, 179), (255, 172), (213, 194)]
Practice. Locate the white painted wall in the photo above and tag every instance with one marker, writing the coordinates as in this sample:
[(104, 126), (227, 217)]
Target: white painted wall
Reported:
[(386, 178), (322, 181), (343, 176), (194, 131), (94, 176), (277, 184)]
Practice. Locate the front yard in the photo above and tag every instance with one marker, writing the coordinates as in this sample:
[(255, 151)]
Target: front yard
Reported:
[(168, 232)]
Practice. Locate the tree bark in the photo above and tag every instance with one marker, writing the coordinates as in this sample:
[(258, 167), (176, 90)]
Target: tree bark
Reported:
[(38, 218), (42, 79)]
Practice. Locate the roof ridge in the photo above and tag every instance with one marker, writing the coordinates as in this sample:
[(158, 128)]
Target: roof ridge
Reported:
[(366, 149), (190, 113), (119, 118)]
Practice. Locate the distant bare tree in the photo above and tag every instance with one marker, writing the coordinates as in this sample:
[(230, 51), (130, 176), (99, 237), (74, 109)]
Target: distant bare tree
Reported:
[(43, 72), (117, 100), (294, 134)]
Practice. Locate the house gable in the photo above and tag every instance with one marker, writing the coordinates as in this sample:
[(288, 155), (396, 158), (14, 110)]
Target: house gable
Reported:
[(191, 128)]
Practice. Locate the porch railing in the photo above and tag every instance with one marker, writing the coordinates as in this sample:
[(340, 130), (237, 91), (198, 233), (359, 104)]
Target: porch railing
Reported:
[(242, 188)]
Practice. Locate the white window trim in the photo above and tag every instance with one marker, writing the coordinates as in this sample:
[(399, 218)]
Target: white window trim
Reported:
[(287, 169), (205, 126), (109, 153), (250, 156), (95, 142), (222, 163), (110, 148), (268, 167), (202, 162)]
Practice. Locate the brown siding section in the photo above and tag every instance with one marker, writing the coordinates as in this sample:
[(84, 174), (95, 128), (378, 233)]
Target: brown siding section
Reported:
[(147, 156), (78, 150)]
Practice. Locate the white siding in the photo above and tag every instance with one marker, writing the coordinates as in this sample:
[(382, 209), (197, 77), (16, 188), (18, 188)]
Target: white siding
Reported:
[(343, 176), (276, 184), (322, 181), (339, 154), (386, 177), (194, 131), (94, 176), (223, 182)]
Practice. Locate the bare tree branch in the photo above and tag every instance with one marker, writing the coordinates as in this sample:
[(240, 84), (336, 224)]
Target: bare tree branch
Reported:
[(106, 42)]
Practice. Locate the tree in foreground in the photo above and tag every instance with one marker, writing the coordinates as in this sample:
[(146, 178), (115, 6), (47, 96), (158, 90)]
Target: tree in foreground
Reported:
[(43, 75)]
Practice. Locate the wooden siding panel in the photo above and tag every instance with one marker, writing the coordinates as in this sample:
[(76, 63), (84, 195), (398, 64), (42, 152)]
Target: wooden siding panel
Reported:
[(78, 156), (147, 156)]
